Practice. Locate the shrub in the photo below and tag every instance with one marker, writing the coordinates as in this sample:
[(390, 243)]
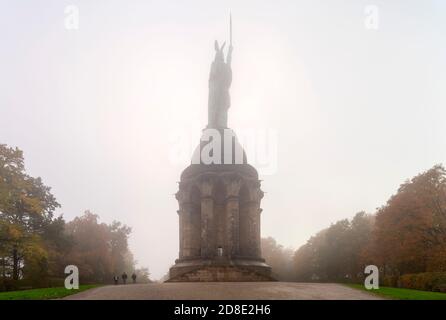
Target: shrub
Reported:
[(7, 284), (388, 281), (429, 281)]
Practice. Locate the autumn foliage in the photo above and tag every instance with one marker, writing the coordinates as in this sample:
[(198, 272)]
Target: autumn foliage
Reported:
[(406, 236), (35, 246)]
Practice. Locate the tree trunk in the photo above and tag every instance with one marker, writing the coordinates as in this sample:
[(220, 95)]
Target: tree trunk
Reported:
[(4, 268), (15, 263)]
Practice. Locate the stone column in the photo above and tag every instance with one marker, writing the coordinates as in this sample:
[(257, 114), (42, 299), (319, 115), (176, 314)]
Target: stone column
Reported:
[(232, 185), (184, 214), (195, 231), (254, 220), (207, 217), (181, 226), (257, 236)]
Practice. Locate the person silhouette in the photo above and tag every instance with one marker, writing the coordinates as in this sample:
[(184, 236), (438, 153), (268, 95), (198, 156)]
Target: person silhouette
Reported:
[(124, 277), (116, 279), (134, 277)]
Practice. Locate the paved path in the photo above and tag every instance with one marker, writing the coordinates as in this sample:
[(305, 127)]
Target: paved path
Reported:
[(225, 291)]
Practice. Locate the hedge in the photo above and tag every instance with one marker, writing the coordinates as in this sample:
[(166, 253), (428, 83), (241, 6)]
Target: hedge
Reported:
[(428, 281), (7, 284)]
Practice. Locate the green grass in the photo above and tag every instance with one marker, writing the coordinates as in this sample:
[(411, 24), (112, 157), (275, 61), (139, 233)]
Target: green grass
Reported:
[(402, 294), (43, 294)]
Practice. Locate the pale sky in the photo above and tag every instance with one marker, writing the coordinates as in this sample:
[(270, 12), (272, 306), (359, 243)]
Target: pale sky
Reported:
[(357, 111)]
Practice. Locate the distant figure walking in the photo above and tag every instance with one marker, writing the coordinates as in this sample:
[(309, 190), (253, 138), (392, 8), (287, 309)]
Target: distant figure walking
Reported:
[(124, 277), (116, 279), (134, 277)]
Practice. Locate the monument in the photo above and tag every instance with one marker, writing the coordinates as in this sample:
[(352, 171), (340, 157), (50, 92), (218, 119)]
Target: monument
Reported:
[(219, 198)]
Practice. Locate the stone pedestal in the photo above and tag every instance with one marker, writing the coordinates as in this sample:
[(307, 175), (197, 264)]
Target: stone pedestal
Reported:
[(219, 215)]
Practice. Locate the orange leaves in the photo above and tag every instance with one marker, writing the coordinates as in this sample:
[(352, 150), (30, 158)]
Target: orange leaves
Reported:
[(99, 250), (412, 225), (408, 235)]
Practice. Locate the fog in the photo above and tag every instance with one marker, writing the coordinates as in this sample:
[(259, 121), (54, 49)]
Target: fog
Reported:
[(96, 110)]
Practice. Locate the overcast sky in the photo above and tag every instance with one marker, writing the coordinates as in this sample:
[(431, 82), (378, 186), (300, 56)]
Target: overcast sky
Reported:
[(356, 110)]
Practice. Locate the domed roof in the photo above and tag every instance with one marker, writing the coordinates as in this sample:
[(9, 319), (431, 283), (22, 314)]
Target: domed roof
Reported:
[(232, 156), (219, 146)]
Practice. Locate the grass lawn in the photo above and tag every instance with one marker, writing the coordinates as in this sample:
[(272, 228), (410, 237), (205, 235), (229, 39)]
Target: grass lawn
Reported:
[(402, 294), (42, 294)]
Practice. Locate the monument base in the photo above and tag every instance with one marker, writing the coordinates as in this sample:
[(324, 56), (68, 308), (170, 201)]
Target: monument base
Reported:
[(240, 270), (219, 219)]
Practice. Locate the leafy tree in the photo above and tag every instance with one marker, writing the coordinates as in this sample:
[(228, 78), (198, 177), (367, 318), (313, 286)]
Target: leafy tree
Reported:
[(36, 246), (336, 253), (26, 205), (410, 232), (307, 259), (142, 275), (407, 235), (122, 259), (278, 257), (100, 251)]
